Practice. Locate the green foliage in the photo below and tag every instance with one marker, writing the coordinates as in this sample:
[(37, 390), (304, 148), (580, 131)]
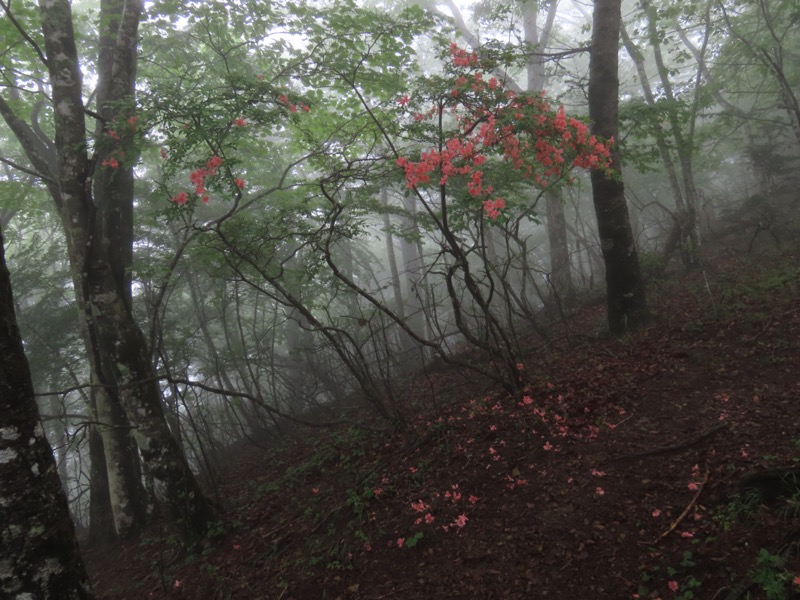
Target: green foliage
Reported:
[(770, 575), (681, 575), (413, 540), (739, 507), (643, 123)]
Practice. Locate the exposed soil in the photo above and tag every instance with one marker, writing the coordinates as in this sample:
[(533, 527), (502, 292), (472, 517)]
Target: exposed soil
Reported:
[(622, 470)]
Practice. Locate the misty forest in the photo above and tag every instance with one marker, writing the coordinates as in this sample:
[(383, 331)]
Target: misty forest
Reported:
[(415, 299)]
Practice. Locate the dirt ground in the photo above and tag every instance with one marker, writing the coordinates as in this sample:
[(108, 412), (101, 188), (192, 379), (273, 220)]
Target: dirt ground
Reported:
[(656, 466)]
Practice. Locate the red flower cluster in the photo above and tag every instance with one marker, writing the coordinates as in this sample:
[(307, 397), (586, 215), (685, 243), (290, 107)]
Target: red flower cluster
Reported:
[(198, 178), (284, 99), (461, 57), (542, 144)]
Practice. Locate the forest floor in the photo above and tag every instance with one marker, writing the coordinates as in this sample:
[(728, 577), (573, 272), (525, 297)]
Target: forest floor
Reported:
[(622, 472)]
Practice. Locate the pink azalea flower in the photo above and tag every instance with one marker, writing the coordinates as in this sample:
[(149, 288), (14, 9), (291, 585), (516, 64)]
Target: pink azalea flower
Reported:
[(461, 520)]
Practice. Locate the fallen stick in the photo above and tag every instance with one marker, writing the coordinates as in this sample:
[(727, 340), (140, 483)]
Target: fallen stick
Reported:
[(685, 512)]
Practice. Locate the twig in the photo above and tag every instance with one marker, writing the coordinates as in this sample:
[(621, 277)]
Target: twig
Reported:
[(685, 512)]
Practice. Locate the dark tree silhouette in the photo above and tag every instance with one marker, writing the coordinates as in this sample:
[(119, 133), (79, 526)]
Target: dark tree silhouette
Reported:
[(627, 308), (39, 556)]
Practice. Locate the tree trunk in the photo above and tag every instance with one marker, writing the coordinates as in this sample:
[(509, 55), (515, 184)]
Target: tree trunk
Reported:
[(399, 303), (627, 308), (687, 214), (683, 225), (39, 554), (560, 269), (412, 267), (126, 492), (94, 225), (101, 517), (561, 286)]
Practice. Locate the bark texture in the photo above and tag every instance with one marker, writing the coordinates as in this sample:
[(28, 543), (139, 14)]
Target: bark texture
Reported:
[(39, 557), (627, 308), (95, 198)]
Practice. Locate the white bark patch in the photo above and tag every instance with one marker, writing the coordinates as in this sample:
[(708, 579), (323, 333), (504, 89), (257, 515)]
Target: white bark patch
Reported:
[(6, 569), (35, 469), (64, 108), (7, 455), (123, 522), (9, 433)]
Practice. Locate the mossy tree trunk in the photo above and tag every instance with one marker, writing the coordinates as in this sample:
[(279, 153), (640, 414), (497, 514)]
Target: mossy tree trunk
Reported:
[(94, 197), (96, 200), (39, 556)]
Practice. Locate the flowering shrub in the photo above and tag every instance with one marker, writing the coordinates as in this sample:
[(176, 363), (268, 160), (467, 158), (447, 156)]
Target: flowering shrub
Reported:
[(540, 143)]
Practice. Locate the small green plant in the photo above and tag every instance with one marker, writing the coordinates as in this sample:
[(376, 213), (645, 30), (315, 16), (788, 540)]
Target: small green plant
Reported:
[(216, 529), (740, 506), (414, 539), (791, 510), (646, 578), (770, 575), (336, 565), (688, 559), (211, 570), (687, 588)]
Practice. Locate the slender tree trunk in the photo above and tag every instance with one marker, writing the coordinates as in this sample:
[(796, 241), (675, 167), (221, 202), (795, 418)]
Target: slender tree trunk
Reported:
[(39, 554), (690, 246), (560, 268), (101, 517), (562, 288), (413, 292), (392, 258), (123, 468), (772, 57), (682, 226), (627, 308)]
